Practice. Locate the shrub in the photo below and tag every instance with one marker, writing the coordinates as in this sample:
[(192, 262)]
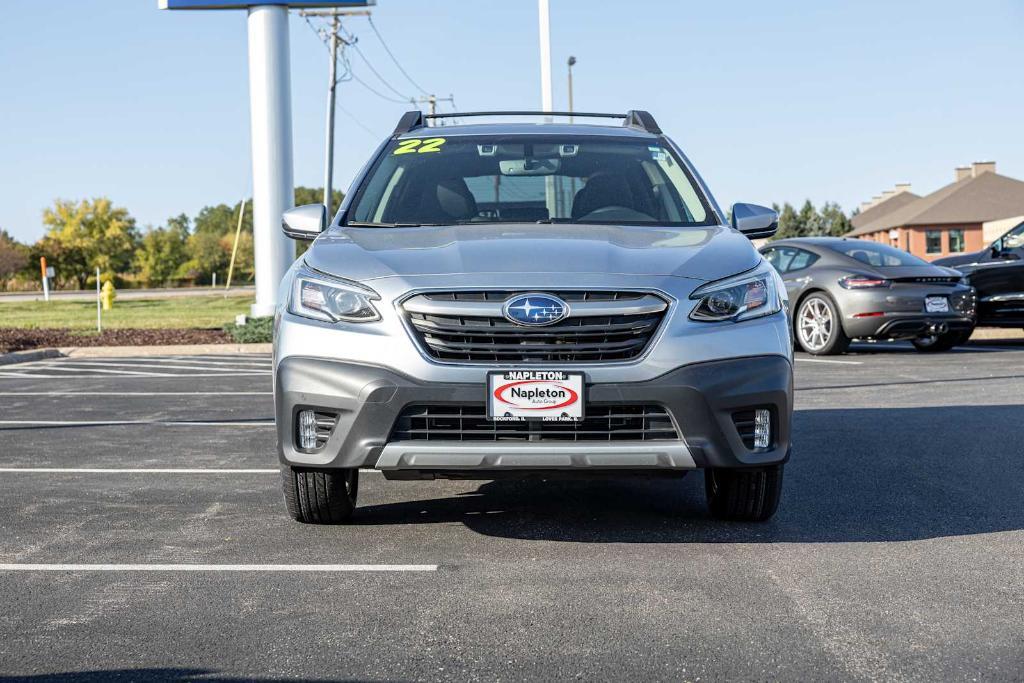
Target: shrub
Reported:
[(254, 331)]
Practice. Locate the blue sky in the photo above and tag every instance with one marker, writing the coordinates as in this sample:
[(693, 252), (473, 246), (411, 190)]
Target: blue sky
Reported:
[(776, 101)]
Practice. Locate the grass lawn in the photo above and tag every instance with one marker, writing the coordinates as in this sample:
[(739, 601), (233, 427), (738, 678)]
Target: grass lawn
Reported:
[(171, 313)]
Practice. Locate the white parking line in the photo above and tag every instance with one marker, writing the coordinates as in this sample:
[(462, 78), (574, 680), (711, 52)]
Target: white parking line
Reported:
[(145, 366), (136, 393), (822, 360), (218, 567), (148, 470), (117, 423), (158, 375)]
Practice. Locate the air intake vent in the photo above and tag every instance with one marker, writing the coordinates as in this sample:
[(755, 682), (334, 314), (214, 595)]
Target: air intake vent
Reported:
[(470, 423)]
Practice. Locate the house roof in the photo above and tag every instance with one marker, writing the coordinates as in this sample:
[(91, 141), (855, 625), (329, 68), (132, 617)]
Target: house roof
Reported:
[(883, 208), (975, 199)]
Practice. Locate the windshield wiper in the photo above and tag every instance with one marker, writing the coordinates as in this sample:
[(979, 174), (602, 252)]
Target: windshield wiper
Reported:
[(549, 221), (363, 224)]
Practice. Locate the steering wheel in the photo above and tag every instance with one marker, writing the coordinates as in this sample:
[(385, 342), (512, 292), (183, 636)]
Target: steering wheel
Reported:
[(616, 213)]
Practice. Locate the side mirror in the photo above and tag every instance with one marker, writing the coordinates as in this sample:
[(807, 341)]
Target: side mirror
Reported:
[(756, 222), (304, 222), (997, 249)]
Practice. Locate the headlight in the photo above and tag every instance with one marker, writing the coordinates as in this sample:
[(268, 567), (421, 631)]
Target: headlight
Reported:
[(316, 297), (741, 297)]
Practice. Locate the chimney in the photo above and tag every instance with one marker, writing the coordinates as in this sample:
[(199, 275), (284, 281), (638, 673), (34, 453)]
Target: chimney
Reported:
[(902, 187), (963, 172), (979, 167)]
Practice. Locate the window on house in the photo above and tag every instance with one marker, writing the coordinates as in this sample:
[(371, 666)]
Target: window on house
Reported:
[(956, 240), (933, 241)]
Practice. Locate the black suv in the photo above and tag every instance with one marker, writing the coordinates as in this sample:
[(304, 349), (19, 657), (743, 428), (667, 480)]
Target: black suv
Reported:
[(997, 273)]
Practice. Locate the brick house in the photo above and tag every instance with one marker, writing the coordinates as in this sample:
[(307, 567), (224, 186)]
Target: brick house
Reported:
[(948, 221)]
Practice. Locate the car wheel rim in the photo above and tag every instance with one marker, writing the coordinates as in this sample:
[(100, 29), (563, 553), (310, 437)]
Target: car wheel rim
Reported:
[(815, 324)]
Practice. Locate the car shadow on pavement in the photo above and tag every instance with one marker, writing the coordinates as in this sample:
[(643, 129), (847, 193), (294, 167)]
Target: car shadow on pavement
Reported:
[(885, 474)]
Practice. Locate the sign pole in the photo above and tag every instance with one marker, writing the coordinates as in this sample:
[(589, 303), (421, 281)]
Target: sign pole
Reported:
[(46, 284), (271, 129), (99, 306)]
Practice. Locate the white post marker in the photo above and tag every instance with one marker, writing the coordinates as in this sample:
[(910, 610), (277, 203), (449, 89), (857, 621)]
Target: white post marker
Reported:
[(99, 302), (46, 284), (271, 130)]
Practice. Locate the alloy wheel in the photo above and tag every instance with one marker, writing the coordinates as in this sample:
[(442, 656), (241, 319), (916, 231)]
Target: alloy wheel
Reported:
[(815, 324)]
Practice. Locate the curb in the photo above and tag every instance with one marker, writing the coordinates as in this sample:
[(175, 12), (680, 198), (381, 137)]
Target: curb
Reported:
[(165, 350), (28, 356)]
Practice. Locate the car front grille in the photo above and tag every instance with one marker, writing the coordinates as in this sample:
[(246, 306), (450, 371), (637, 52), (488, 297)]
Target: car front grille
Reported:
[(469, 423), (470, 327)]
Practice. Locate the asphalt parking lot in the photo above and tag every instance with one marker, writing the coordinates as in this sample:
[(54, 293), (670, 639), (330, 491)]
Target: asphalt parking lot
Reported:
[(897, 553)]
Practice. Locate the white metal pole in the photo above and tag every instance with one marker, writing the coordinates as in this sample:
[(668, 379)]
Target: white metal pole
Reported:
[(545, 55), (543, 13), (99, 306), (46, 288), (271, 129)]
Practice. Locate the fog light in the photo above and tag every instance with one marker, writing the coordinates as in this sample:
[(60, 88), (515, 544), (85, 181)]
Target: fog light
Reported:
[(307, 429), (762, 428)]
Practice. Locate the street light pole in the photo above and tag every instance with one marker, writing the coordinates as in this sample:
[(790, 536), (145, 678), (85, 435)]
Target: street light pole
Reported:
[(544, 16), (572, 63)]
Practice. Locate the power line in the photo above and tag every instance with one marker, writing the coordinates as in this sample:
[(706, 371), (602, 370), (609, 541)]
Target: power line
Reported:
[(376, 92), (393, 58), (377, 73)]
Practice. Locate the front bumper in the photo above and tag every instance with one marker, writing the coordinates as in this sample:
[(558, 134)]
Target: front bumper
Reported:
[(701, 398)]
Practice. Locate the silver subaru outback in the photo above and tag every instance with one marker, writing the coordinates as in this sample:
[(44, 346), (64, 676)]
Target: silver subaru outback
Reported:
[(531, 299)]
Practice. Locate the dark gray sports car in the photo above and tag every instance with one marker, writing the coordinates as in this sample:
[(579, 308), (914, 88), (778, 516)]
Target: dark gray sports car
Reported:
[(842, 289)]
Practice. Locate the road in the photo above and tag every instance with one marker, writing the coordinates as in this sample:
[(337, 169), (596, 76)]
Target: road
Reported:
[(162, 293), (897, 554)]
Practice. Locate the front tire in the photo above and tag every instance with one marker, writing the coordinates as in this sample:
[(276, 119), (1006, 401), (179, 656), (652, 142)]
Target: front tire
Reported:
[(320, 496), (942, 342), (819, 326), (742, 495)]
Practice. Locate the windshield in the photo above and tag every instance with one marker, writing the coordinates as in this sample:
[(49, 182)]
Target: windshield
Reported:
[(878, 255), (576, 179)]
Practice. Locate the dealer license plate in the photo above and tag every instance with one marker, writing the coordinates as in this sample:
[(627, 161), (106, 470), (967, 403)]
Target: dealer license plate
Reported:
[(936, 304), (517, 395)]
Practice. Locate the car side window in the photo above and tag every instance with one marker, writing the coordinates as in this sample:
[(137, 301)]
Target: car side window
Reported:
[(1014, 239), (802, 259)]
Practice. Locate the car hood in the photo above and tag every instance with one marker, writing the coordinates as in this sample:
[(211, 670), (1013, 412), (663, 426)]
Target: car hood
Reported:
[(706, 253)]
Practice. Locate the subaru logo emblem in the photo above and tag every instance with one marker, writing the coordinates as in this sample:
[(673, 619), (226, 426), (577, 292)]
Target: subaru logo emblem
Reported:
[(535, 309)]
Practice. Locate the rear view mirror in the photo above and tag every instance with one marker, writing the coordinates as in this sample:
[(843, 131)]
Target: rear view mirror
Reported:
[(304, 222), (756, 222), (529, 166)]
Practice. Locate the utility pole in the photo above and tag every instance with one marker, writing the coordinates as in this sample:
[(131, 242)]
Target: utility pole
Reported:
[(432, 100), (335, 40)]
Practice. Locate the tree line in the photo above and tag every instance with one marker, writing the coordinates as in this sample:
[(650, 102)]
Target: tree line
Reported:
[(95, 233), (829, 221)]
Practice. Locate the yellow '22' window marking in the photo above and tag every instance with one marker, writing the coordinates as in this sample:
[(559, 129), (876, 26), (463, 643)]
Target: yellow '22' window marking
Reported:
[(419, 146)]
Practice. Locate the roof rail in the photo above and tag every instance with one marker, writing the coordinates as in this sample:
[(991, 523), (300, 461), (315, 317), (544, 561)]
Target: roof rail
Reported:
[(634, 118)]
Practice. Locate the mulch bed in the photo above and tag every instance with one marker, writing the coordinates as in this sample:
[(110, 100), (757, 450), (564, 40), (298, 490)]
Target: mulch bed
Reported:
[(12, 339)]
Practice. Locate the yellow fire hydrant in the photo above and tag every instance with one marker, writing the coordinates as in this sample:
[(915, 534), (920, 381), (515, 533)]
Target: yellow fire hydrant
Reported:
[(108, 295)]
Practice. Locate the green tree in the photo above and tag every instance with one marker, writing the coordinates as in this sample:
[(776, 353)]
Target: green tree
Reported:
[(13, 257), (206, 255), (163, 251), (833, 221), (89, 234), (788, 222), (809, 221)]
